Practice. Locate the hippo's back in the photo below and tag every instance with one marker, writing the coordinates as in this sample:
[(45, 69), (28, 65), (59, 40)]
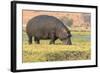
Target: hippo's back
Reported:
[(44, 20), (43, 23)]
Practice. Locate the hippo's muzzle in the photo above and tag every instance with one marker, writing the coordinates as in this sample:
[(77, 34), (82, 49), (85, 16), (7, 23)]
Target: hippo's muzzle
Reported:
[(67, 41)]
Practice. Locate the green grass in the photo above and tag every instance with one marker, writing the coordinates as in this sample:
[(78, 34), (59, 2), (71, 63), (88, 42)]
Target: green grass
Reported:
[(80, 50)]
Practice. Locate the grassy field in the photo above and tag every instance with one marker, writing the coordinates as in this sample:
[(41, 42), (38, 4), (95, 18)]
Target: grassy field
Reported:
[(80, 50)]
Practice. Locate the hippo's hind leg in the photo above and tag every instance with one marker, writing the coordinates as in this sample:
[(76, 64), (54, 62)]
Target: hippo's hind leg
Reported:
[(30, 39), (37, 41), (52, 41)]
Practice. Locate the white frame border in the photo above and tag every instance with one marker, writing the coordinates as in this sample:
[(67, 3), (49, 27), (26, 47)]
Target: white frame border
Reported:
[(38, 65)]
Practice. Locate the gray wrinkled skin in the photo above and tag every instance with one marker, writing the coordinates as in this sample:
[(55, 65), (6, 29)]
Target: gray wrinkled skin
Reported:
[(47, 27)]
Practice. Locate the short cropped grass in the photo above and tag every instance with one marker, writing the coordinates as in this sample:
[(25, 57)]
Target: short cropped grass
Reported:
[(80, 50)]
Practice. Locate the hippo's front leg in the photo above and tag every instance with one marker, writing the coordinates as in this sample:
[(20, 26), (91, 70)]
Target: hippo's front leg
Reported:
[(53, 38), (52, 41)]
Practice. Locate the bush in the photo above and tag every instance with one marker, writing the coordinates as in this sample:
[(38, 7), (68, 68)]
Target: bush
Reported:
[(67, 21)]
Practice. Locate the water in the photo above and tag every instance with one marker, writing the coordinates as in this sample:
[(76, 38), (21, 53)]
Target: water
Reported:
[(81, 37)]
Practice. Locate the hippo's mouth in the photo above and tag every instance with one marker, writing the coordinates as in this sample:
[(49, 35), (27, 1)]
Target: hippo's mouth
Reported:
[(67, 41)]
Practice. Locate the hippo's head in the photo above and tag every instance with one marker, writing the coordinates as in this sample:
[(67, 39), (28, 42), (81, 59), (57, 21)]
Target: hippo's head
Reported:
[(66, 38)]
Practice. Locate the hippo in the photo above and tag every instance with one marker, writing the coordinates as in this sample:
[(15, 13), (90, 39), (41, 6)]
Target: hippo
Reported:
[(47, 27)]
